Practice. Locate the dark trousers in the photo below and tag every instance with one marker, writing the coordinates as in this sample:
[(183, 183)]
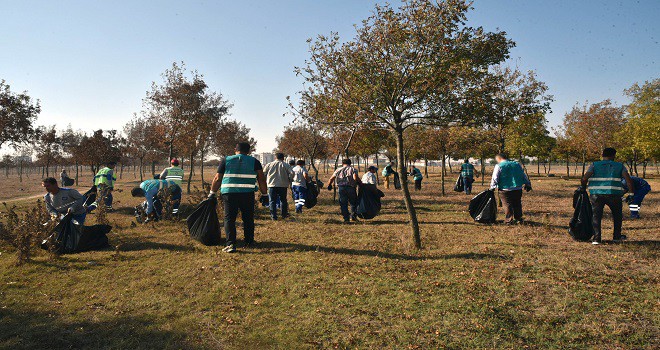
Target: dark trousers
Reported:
[(275, 195), (348, 195), (233, 202), (512, 203), (176, 199), (418, 185), (598, 202), (467, 184)]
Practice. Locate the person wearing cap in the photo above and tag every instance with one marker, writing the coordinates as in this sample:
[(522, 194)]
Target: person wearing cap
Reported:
[(174, 173), (105, 178), (237, 179), (370, 176), (347, 180), (299, 185)]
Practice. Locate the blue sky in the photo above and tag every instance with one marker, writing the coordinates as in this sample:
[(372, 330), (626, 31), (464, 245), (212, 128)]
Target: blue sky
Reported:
[(91, 62)]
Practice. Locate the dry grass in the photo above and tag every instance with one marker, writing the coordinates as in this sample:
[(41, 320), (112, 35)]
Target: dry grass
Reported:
[(317, 284)]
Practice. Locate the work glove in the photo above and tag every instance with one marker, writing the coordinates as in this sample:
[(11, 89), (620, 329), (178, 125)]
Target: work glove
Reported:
[(528, 188), (211, 195), (264, 200), (329, 187), (629, 198)]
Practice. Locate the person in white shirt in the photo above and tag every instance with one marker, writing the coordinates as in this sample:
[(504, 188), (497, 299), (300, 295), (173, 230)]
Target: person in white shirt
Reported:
[(299, 185), (370, 176)]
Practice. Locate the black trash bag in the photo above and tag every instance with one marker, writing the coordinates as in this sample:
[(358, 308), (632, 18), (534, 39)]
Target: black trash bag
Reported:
[(69, 237), (369, 201), (312, 194), (90, 195), (203, 223), (581, 226), (459, 186), (397, 181), (483, 207), (68, 181)]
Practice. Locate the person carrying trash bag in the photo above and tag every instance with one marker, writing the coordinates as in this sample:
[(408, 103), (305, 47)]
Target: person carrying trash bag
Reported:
[(581, 226), (203, 223), (61, 201), (237, 179), (642, 188), (299, 185), (369, 201), (483, 207), (603, 179), (510, 179), (347, 181), (149, 189), (467, 176), (387, 172)]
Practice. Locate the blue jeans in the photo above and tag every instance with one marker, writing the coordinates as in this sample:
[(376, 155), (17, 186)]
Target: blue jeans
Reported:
[(348, 195), (176, 199), (278, 194), (299, 195), (636, 203), (467, 184)]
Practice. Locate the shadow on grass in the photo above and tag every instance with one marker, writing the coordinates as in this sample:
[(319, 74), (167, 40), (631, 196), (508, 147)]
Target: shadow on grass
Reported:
[(132, 246), (270, 247), (33, 330)]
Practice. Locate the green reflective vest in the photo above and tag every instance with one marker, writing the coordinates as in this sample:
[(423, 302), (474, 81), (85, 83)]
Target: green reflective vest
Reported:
[(174, 173), (606, 178), (106, 177), (511, 175), (239, 176), (467, 170)]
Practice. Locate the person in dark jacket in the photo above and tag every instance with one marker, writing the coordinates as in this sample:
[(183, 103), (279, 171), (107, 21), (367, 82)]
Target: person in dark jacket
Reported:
[(642, 188)]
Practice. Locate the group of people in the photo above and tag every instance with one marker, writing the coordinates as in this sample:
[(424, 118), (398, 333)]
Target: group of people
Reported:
[(240, 175)]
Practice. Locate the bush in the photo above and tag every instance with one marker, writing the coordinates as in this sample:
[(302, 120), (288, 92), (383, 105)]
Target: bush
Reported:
[(24, 231)]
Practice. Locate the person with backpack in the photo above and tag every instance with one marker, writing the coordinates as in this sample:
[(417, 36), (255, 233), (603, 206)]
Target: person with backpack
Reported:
[(347, 181), (510, 179), (467, 174), (603, 179), (642, 188), (299, 185), (417, 177)]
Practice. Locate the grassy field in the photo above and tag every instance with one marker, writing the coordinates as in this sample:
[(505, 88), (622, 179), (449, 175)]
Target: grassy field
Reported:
[(315, 283)]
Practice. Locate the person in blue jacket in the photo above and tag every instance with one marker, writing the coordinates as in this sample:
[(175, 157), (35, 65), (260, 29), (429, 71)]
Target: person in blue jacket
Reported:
[(642, 188), (150, 188)]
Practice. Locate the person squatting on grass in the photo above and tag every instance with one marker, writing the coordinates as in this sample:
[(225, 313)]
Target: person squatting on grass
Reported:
[(603, 179), (299, 185), (61, 201), (510, 179), (278, 179), (237, 179), (347, 181)]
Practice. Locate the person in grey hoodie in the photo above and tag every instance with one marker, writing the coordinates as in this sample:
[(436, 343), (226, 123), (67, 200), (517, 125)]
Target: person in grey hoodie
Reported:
[(278, 179), (62, 201)]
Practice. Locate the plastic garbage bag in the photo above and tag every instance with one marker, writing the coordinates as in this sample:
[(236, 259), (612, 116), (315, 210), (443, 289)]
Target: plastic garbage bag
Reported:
[(397, 181), (581, 226), (68, 181), (459, 186), (203, 223), (312, 194), (69, 237), (483, 207), (369, 201)]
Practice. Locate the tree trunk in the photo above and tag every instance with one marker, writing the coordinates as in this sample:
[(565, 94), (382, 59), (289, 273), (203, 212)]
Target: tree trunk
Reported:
[(141, 167), (483, 169), (414, 225), (426, 167), (584, 163), (190, 173), (442, 177), (201, 167), (20, 171), (77, 174), (451, 171), (377, 171), (568, 167)]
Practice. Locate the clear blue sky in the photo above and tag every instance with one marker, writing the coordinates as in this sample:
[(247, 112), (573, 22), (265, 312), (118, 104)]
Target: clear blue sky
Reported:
[(91, 62)]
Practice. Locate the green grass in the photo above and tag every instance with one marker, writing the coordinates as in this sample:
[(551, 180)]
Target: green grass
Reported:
[(317, 284)]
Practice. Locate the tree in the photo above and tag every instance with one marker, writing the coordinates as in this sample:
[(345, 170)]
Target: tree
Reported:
[(406, 66), (100, 148), (529, 136), (228, 135), (303, 141), (17, 115), (70, 141), (48, 146)]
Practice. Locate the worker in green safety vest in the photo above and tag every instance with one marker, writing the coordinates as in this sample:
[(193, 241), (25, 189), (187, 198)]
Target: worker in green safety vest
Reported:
[(603, 179), (237, 178), (106, 177), (175, 174), (510, 179)]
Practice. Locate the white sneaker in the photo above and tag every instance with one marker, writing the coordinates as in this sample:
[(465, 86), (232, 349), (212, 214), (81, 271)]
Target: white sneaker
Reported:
[(595, 243)]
